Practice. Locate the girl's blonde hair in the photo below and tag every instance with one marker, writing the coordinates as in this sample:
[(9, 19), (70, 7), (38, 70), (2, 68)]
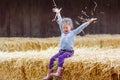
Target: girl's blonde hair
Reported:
[(68, 20)]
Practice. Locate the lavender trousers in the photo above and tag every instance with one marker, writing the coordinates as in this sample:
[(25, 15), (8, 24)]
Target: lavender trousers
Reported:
[(61, 55)]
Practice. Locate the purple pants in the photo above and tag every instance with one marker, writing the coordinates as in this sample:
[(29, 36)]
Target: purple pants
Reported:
[(61, 55)]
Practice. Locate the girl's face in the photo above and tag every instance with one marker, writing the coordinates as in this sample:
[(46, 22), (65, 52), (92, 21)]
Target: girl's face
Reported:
[(66, 27)]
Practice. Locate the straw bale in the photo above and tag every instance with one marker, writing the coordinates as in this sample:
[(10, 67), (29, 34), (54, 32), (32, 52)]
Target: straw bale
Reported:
[(86, 64), (96, 57), (24, 44)]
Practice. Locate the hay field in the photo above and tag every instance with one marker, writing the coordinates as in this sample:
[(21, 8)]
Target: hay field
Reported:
[(96, 57)]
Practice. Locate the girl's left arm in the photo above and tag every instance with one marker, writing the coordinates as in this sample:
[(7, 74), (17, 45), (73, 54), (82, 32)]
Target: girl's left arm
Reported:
[(84, 25)]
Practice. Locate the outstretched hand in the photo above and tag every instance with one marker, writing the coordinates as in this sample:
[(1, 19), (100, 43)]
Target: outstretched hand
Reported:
[(56, 10), (92, 20)]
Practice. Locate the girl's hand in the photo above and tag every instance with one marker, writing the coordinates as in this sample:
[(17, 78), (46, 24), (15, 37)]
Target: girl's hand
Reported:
[(56, 10), (92, 20)]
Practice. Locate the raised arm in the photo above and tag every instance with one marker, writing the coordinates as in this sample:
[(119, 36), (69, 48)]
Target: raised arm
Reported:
[(84, 25), (59, 18)]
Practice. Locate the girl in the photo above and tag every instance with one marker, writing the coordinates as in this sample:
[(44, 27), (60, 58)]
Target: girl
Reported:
[(66, 43)]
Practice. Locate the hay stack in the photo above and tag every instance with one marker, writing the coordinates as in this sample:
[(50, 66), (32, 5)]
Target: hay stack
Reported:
[(24, 44), (93, 65), (101, 41), (86, 64), (96, 57)]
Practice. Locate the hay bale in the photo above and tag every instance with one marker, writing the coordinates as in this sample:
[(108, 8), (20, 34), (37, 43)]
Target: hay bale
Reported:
[(93, 66), (101, 41), (11, 69), (96, 58), (24, 44), (86, 64)]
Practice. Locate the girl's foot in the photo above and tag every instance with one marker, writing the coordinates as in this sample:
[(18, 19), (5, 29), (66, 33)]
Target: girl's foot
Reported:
[(48, 77), (58, 73)]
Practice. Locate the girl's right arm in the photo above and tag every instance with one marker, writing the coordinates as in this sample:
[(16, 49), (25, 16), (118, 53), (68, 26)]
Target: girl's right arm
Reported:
[(59, 18)]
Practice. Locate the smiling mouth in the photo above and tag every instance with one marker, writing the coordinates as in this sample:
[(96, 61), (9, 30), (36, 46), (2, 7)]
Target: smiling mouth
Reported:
[(65, 31)]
